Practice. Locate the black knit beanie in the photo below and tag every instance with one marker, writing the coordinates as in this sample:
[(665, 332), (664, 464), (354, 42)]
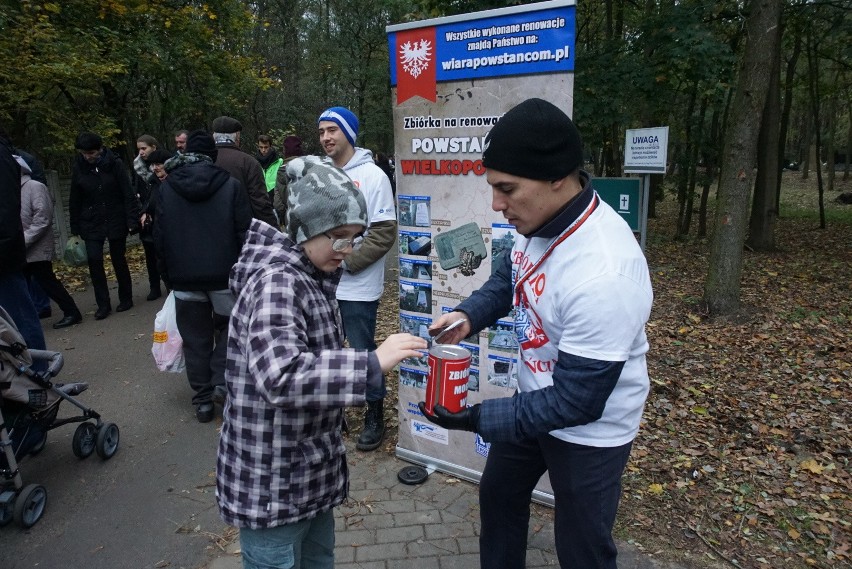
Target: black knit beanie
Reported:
[(88, 141), (201, 142), (159, 156), (534, 140)]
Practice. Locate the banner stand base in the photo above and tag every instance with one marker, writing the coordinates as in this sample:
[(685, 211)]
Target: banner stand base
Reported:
[(461, 472)]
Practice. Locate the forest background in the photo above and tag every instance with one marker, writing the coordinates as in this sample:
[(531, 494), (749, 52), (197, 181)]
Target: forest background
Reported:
[(747, 457)]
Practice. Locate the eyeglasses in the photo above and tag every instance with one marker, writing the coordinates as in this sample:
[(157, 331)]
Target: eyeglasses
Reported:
[(340, 245)]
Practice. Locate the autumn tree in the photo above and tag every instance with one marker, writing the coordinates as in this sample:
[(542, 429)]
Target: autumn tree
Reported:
[(121, 68), (722, 286)]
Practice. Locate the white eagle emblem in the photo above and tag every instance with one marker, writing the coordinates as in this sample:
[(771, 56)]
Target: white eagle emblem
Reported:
[(415, 57)]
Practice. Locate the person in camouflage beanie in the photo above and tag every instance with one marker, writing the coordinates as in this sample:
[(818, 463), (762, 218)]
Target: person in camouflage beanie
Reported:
[(321, 197), (281, 466)]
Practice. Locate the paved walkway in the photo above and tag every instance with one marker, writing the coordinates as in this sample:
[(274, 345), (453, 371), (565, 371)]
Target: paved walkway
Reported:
[(386, 524)]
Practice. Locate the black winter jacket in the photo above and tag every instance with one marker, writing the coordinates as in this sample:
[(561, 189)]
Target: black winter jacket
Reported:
[(200, 221), (146, 192), (13, 254), (102, 204)]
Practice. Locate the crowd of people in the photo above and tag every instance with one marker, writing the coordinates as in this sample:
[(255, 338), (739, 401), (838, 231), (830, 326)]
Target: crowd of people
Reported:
[(278, 319)]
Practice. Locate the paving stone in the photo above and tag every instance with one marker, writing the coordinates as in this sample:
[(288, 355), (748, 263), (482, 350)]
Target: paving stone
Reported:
[(433, 547), (413, 518), (406, 534), (380, 552), (453, 530)]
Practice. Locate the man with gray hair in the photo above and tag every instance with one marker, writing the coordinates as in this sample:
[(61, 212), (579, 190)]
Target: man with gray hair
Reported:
[(242, 166)]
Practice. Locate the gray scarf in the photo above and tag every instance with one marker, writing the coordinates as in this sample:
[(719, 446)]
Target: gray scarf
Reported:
[(179, 160)]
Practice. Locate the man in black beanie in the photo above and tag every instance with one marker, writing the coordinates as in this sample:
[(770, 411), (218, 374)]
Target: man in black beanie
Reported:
[(201, 216), (578, 286)]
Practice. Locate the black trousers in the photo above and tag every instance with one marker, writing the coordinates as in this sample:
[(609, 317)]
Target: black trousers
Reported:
[(205, 343), (586, 485), (42, 272), (95, 254), (151, 264)]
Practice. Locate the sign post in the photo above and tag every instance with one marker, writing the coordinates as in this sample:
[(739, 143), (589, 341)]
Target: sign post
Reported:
[(646, 153)]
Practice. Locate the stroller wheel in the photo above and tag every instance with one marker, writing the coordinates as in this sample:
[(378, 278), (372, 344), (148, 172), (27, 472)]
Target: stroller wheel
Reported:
[(83, 443), (29, 505), (107, 442), (39, 446)]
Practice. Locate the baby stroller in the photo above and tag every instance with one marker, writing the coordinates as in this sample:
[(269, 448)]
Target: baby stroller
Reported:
[(29, 406)]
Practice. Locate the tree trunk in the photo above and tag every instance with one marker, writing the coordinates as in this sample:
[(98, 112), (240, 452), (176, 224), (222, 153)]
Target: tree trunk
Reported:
[(785, 112), (722, 287), (693, 163), (831, 119), (764, 208), (813, 85), (806, 160), (710, 155), (684, 168), (848, 145), (654, 194)]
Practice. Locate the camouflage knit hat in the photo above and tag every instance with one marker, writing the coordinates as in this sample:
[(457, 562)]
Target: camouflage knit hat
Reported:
[(320, 198)]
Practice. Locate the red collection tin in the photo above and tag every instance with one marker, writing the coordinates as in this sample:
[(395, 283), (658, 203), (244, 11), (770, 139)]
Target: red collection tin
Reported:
[(446, 384)]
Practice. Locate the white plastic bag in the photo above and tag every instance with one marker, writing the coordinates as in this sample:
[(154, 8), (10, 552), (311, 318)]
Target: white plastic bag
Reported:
[(168, 346)]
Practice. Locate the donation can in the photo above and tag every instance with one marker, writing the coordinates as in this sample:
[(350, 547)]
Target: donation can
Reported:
[(446, 383)]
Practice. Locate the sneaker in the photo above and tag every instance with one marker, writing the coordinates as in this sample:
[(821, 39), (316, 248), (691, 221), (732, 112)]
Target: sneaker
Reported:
[(124, 305), (204, 412), (102, 312)]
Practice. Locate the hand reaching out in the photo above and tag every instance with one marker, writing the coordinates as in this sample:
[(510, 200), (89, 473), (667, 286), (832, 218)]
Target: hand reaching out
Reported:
[(455, 335), (397, 347)]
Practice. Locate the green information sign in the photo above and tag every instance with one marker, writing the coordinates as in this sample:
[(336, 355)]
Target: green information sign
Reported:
[(623, 195)]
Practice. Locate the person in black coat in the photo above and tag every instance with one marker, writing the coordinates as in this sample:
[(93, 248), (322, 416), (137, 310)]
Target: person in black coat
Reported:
[(202, 215), (145, 183), (14, 295), (103, 207)]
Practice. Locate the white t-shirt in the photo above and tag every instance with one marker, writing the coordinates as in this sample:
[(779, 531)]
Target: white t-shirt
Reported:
[(368, 284), (586, 293)]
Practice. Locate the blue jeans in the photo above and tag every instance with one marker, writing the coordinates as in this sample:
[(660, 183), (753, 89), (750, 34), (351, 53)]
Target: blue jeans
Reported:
[(37, 293), (15, 298), (359, 325), (586, 485), (308, 544)]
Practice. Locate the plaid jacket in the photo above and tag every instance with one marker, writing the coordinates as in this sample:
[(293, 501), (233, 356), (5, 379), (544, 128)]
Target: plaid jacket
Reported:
[(281, 454)]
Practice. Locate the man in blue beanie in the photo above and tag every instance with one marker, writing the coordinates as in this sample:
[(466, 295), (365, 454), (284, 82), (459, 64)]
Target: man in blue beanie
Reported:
[(363, 277)]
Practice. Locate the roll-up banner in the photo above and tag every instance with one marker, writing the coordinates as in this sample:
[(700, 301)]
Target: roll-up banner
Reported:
[(452, 78)]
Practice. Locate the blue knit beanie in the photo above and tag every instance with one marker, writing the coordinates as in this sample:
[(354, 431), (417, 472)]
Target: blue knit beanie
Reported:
[(345, 119)]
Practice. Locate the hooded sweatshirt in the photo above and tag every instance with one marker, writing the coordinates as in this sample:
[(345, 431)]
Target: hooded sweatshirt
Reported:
[(281, 454), (202, 214), (364, 278)]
